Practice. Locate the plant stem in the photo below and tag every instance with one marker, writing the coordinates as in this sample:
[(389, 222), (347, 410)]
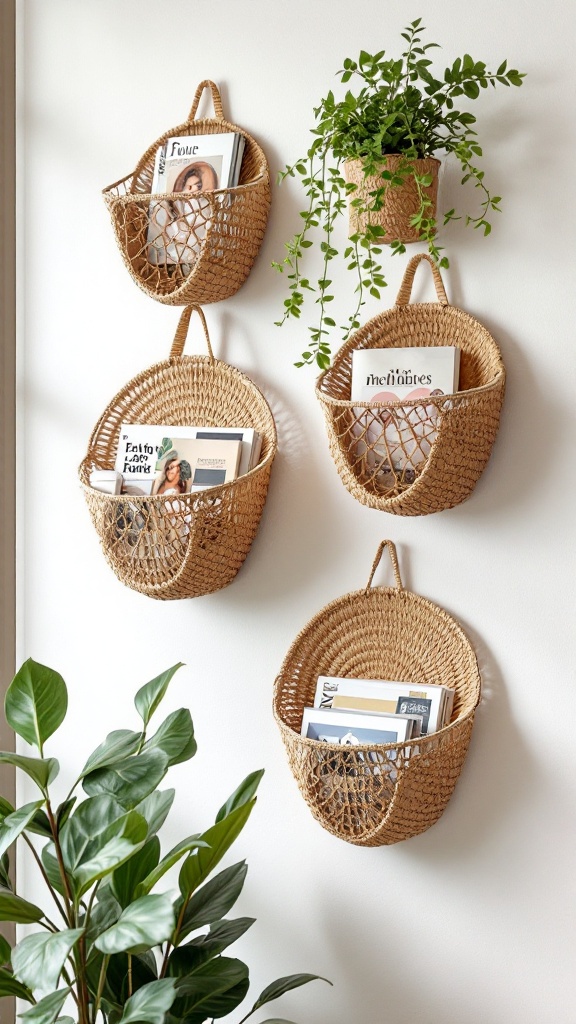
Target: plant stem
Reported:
[(45, 877)]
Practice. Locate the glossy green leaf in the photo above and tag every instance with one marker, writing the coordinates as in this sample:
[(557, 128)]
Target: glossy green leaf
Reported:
[(282, 985), (36, 702), (46, 1011), (168, 861), (212, 901), (131, 780), (5, 951), (9, 986), (155, 809), (149, 1004), (14, 908), (241, 795), (117, 745), (185, 959), (149, 696), (105, 913), (98, 837), (220, 837), (175, 737), (127, 878), (38, 959), (5, 808), (125, 975), (15, 823), (51, 867), (43, 771), (214, 990), (145, 923)]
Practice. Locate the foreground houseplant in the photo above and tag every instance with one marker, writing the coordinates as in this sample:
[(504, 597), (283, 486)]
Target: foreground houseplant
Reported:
[(375, 147), (123, 952)]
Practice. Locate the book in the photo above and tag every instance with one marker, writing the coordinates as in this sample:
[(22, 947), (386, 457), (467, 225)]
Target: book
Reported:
[(143, 448), (398, 439), (349, 729), (433, 702), (189, 166), (106, 480)]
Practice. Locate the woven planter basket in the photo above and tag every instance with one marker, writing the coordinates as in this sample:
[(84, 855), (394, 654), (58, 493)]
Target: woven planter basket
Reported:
[(361, 793), (194, 544), (223, 228), (446, 440), (401, 202)]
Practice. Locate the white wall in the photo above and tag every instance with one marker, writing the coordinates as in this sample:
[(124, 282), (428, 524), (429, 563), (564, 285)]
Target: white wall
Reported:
[(472, 922)]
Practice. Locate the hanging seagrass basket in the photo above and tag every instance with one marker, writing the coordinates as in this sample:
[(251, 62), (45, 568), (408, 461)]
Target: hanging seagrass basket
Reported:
[(378, 794), (444, 441), (194, 544), (217, 233)]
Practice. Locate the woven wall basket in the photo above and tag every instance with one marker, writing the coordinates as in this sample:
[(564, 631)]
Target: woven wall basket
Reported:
[(193, 544), (401, 202), (378, 795), (446, 440), (220, 231)]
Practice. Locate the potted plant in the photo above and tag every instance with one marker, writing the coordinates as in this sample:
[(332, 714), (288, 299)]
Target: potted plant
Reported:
[(120, 951), (373, 153)]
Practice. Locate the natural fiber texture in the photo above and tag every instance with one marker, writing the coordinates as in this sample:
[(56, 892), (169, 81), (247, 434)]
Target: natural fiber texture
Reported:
[(378, 795), (401, 202), (218, 233), (194, 544), (445, 441)]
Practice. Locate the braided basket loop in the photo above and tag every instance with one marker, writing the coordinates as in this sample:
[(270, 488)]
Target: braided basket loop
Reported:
[(376, 795), (445, 440), (220, 231), (400, 202), (194, 544)]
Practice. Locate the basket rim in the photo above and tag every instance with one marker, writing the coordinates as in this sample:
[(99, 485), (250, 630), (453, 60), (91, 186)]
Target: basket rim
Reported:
[(398, 593), (226, 128)]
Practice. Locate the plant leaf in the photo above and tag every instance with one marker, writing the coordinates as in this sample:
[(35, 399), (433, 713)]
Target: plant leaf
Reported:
[(5, 950), (214, 899), (10, 987), (282, 985), (241, 795), (185, 959), (98, 837), (155, 809), (127, 878), (36, 702), (14, 908), (149, 1004), (38, 960), (47, 1010), (145, 923), (214, 990), (117, 745), (41, 770), (15, 823), (149, 696), (131, 780), (175, 737), (220, 837)]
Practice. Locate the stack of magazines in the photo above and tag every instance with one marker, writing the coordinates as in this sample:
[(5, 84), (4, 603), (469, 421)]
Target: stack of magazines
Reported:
[(350, 712), (160, 459)]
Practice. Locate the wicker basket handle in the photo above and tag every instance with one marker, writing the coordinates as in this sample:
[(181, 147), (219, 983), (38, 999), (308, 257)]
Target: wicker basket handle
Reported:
[(182, 332), (406, 287), (216, 99), (393, 558)]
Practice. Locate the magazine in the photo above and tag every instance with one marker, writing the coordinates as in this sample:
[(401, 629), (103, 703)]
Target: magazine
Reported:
[(143, 448), (189, 165), (401, 439), (434, 703), (349, 729)]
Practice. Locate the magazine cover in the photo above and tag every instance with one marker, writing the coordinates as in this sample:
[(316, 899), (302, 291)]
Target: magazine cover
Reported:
[(143, 449), (353, 729), (433, 703)]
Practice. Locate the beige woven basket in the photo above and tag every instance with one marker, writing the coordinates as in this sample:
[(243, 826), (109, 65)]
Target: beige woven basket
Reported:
[(194, 544), (401, 202), (378, 795), (446, 441), (219, 232)]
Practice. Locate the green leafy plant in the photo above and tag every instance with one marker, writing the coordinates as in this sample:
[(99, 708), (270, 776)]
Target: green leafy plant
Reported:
[(123, 952), (402, 108)]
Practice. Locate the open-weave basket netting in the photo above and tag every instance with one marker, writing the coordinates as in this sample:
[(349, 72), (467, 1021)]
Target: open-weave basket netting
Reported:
[(192, 544), (424, 455), (375, 795), (213, 236)]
